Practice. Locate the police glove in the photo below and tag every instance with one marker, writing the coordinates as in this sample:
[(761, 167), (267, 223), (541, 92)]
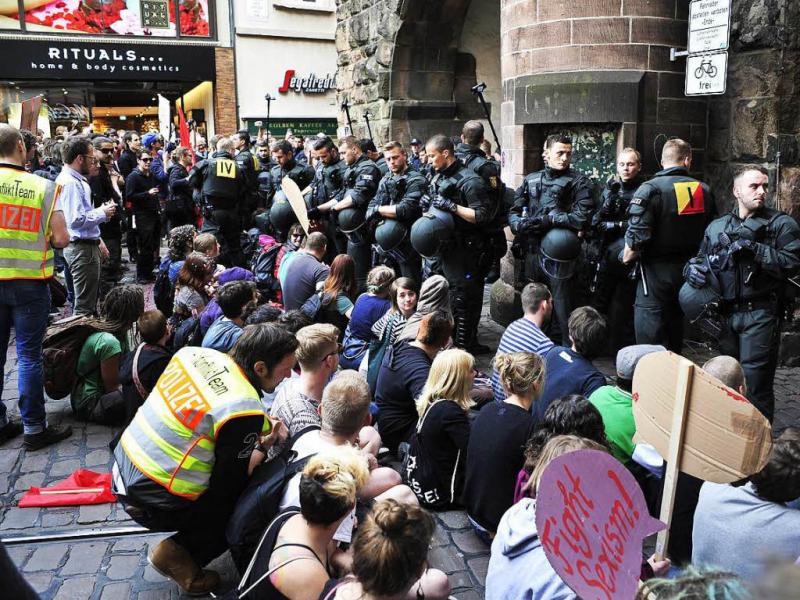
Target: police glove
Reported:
[(445, 204), (724, 240), (742, 245), (314, 213), (609, 226), (542, 223), (425, 203), (696, 273)]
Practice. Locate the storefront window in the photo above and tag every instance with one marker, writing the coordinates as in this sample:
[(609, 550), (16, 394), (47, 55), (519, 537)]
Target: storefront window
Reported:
[(153, 18)]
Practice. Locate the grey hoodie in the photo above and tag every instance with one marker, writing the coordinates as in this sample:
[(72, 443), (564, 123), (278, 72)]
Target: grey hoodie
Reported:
[(434, 295), (518, 567)]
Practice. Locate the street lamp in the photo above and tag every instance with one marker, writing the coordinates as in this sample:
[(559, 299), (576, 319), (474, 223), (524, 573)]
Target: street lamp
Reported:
[(269, 100)]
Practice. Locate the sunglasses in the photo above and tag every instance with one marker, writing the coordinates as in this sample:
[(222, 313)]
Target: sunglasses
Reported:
[(106, 150), (339, 348), (146, 160)]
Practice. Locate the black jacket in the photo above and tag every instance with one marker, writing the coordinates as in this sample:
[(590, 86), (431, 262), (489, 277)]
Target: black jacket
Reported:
[(127, 162), (136, 187), (180, 192), (103, 191)]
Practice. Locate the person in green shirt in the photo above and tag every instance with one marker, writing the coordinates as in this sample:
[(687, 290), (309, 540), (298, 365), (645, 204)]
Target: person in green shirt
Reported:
[(97, 395), (615, 402)]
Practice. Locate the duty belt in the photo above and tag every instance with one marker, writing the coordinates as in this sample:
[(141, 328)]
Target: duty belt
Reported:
[(730, 307)]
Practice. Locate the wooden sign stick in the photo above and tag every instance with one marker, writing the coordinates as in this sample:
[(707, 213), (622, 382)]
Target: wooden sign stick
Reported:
[(77, 491), (682, 393)]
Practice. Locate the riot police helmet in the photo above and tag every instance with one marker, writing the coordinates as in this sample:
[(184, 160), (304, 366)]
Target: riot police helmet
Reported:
[(431, 230), (281, 215), (697, 302), (351, 219), (560, 249), (390, 233)]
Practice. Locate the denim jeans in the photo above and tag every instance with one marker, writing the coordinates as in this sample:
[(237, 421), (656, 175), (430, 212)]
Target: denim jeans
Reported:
[(25, 305)]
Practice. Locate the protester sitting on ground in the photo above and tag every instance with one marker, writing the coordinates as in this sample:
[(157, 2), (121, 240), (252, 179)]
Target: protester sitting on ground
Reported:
[(193, 489), (570, 370), (570, 415), (403, 295), (266, 313), (494, 461), (741, 529), (179, 245), (306, 273), (525, 334), (518, 566), (141, 368), (336, 304), (615, 402), (237, 300), (402, 377), (326, 497), (345, 412), (439, 452), (191, 294), (206, 243), (433, 295), (97, 395), (293, 321), (390, 558), (212, 310), (369, 307), (697, 584)]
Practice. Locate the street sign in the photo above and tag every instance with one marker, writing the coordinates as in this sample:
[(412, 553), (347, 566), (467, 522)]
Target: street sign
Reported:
[(706, 74), (709, 25)]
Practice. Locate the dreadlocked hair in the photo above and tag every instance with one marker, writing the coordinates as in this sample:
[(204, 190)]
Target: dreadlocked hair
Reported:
[(121, 307), (180, 241)]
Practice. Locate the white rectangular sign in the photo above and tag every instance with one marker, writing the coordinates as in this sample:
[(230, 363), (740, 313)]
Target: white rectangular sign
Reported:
[(709, 25), (706, 74)]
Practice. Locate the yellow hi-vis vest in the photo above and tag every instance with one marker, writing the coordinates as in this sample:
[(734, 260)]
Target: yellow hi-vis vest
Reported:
[(172, 437), (26, 205)]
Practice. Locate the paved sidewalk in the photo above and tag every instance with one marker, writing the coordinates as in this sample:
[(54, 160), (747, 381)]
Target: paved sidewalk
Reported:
[(116, 568)]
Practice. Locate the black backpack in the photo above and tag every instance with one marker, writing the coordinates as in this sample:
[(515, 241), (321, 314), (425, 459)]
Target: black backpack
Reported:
[(164, 292), (259, 502), (188, 333), (264, 265)]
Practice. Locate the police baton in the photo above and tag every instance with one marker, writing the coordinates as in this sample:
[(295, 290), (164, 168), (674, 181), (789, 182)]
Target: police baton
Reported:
[(645, 288), (346, 109), (367, 116), (478, 91)]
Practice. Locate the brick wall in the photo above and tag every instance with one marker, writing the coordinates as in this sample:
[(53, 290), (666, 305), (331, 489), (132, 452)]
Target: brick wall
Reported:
[(225, 118)]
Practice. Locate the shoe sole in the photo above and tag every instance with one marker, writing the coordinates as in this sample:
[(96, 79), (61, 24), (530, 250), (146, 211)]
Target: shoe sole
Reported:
[(33, 447), (160, 572)]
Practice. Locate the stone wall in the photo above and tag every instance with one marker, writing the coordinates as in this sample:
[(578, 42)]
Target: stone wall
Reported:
[(226, 120)]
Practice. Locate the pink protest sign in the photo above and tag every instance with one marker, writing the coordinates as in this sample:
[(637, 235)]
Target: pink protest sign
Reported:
[(591, 517)]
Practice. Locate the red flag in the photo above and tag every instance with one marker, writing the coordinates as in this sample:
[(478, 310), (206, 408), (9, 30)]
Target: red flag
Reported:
[(82, 487), (184, 132)]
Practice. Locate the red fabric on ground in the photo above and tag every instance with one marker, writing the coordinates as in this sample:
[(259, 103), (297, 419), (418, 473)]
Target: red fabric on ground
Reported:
[(78, 481)]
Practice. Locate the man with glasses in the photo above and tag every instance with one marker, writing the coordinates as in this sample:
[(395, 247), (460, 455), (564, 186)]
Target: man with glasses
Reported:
[(105, 186), (85, 249), (141, 190)]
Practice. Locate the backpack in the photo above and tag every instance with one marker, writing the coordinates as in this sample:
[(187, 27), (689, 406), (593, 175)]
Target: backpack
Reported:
[(164, 292), (188, 333), (313, 306), (61, 349), (259, 502), (265, 267)]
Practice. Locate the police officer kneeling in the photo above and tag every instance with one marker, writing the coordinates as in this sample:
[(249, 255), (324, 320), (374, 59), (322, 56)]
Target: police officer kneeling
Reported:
[(185, 458), (751, 252)]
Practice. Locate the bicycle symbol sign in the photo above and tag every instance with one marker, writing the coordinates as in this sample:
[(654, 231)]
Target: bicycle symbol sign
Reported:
[(706, 73), (705, 68)]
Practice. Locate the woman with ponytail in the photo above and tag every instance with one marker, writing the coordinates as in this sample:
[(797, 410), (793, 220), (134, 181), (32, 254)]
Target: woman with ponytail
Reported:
[(369, 307), (390, 558)]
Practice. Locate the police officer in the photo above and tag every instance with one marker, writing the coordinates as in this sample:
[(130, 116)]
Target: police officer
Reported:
[(555, 197), (368, 147), (264, 176), (249, 165), (752, 251), (326, 190), (223, 186), (287, 166), (612, 288), (470, 153), (360, 185), (414, 158), (666, 220), (460, 191), (394, 208)]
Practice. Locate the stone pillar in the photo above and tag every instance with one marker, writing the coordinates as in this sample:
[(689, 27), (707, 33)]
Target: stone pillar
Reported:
[(225, 118)]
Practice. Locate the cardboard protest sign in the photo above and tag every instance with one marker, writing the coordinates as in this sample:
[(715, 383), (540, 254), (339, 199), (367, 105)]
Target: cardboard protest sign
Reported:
[(295, 197), (591, 517)]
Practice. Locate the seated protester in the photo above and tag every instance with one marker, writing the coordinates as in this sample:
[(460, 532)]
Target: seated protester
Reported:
[(97, 395), (433, 295), (615, 403), (493, 460), (518, 567), (402, 377), (336, 305), (305, 273), (212, 311), (293, 321), (193, 489), (237, 300), (207, 244), (525, 334), (179, 245), (438, 451), (369, 307), (141, 368), (345, 412), (571, 415), (390, 557), (403, 295), (742, 529), (570, 370), (699, 584), (266, 313), (305, 532), (191, 289), (294, 242)]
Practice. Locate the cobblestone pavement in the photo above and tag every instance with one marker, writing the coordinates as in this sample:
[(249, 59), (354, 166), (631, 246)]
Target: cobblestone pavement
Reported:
[(116, 567)]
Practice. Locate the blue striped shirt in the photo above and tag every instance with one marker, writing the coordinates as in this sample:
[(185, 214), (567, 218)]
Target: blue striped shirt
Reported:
[(523, 335)]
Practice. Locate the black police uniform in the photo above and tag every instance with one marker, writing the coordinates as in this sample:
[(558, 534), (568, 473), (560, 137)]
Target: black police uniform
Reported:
[(666, 220), (547, 199), (613, 289), (301, 174), (465, 261), (329, 184), (249, 165), (752, 259), (403, 191), (360, 184), (223, 187), (264, 183), (382, 165)]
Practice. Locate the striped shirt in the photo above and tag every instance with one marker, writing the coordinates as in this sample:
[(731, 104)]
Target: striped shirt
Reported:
[(523, 335)]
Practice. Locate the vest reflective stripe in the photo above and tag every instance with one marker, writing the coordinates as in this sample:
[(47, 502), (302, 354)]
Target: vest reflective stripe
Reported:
[(172, 438), (26, 205)]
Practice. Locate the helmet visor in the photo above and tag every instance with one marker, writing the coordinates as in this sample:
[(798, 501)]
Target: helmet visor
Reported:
[(558, 269)]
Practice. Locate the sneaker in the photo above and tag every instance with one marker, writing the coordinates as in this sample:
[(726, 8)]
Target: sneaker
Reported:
[(51, 435), (11, 430)]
